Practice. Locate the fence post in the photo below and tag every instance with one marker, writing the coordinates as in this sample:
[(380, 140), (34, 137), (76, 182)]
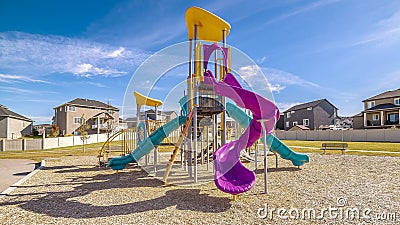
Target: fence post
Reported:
[(23, 144), (43, 137)]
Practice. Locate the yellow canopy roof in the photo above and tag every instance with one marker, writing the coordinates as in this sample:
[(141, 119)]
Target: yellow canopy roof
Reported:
[(143, 100), (209, 26)]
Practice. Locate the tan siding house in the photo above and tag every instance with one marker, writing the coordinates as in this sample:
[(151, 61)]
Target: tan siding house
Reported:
[(13, 125), (95, 113), (382, 110)]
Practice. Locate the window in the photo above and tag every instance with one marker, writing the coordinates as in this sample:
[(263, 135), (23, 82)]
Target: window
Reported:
[(292, 112), (370, 104), (393, 118), (309, 108), (397, 101), (288, 115), (295, 123), (110, 112), (375, 117), (306, 122), (71, 108), (287, 124), (77, 120)]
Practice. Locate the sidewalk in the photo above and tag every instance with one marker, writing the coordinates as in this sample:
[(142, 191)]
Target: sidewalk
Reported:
[(13, 170)]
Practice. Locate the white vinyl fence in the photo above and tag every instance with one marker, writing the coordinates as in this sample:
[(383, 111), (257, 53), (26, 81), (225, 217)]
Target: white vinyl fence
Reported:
[(47, 143), (373, 135)]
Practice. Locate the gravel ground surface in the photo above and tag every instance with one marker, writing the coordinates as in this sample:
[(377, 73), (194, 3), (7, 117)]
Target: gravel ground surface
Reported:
[(74, 191)]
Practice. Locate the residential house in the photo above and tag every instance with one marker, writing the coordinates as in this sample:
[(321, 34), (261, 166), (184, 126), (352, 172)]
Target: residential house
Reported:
[(314, 115), (280, 124), (39, 128), (381, 111), (299, 127), (99, 116), (13, 125), (150, 116)]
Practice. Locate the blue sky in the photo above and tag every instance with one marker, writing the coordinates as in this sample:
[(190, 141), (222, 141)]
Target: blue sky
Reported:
[(54, 51)]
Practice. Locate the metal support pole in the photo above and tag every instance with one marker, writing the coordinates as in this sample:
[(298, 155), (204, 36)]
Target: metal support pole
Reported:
[(208, 149), (137, 121), (215, 133), (195, 113), (223, 116), (155, 159), (255, 157), (156, 148), (202, 146), (265, 156), (195, 143)]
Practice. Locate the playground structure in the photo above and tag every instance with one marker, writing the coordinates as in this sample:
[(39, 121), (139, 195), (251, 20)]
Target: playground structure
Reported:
[(205, 105)]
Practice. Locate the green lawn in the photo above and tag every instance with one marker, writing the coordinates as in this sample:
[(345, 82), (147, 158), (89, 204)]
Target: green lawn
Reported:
[(93, 149), (38, 155), (368, 146)]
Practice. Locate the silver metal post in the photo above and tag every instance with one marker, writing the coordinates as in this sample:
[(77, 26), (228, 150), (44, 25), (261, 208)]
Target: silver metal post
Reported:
[(223, 131), (208, 149), (202, 146), (255, 157), (195, 114), (156, 148), (265, 156), (137, 122), (215, 133)]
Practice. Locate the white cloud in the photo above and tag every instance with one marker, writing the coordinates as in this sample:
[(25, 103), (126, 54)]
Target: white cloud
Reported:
[(41, 119), (251, 74), (304, 9), (38, 55), (277, 80), (8, 78), (385, 32), (283, 106), (116, 53), (286, 78), (15, 90), (97, 84), (261, 60), (88, 70)]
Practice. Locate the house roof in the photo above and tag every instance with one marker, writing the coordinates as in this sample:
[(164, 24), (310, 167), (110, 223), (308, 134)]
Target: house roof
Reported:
[(4, 111), (300, 127), (387, 94), (358, 115), (106, 114), (383, 106), (309, 104), (89, 103)]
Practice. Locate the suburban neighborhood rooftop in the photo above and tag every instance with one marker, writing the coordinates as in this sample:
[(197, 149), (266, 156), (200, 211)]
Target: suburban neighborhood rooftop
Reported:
[(387, 94), (4, 111), (308, 104), (88, 103)]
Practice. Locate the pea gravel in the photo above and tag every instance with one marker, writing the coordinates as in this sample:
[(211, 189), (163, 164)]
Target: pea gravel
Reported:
[(72, 190)]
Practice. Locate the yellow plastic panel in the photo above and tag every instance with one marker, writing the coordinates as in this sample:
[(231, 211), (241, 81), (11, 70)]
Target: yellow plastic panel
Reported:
[(143, 100), (209, 26)]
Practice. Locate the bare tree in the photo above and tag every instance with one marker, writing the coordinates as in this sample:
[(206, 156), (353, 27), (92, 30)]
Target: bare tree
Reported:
[(83, 128)]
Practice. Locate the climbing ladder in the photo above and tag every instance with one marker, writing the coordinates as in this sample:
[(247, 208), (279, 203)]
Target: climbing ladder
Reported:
[(178, 145), (119, 144)]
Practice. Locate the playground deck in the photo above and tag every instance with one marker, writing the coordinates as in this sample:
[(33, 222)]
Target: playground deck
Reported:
[(74, 190)]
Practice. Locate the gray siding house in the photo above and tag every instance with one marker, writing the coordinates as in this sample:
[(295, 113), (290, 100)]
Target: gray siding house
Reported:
[(317, 114), (95, 113), (13, 125)]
